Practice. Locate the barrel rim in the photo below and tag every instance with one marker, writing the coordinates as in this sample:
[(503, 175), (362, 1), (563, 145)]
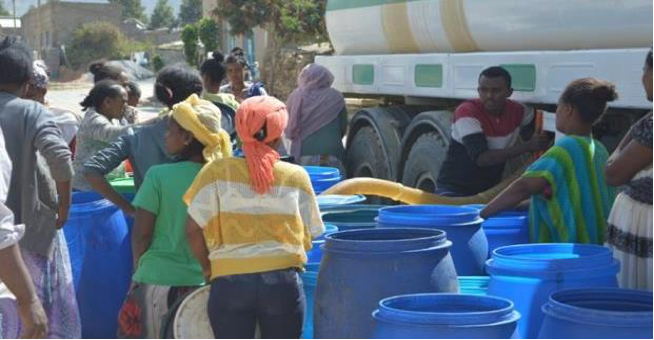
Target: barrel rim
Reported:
[(100, 203), (352, 208), (345, 200), (396, 214), (508, 258), (502, 310), (424, 239), (558, 306)]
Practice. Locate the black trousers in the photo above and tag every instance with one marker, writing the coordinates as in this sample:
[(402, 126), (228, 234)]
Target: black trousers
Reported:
[(274, 300)]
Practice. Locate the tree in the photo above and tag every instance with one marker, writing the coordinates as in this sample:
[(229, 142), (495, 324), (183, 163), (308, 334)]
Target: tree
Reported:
[(209, 34), (97, 40), (157, 63), (162, 16), (190, 11), (297, 21), (190, 39), (132, 9), (287, 21), (3, 10)]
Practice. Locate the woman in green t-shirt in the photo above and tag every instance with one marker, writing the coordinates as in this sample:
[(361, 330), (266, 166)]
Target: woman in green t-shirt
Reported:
[(165, 267)]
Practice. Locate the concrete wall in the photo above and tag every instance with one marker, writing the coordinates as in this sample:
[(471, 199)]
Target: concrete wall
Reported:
[(53, 24), (134, 31)]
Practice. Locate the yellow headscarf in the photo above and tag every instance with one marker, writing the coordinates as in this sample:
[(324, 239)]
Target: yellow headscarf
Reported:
[(189, 115)]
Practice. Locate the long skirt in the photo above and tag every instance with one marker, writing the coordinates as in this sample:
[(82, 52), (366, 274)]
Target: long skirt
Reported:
[(630, 238), (53, 281)]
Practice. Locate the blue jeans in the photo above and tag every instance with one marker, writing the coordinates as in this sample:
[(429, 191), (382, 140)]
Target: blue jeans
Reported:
[(274, 300)]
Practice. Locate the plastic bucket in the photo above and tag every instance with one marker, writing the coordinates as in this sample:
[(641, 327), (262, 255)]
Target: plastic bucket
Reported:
[(506, 228), (350, 217), (315, 254), (309, 280), (326, 202), (474, 285), (323, 178)]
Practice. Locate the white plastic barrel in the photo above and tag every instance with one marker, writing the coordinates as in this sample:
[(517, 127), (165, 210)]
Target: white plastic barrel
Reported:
[(431, 26)]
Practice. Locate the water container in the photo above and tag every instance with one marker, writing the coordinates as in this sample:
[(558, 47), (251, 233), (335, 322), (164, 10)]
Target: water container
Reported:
[(598, 313), (315, 254), (350, 217), (527, 275), (329, 229), (361, 267), (322, 177), (445, 316), (309, 280), (125, 187), (101, 260), (474, 285), (462, 224), (506, 228), (326, 202)]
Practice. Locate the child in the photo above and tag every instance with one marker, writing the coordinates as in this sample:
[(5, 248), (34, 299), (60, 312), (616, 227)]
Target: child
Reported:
[(106, 101), (250, 224), (570, 200), (213, 73), (165, 266), (133, 94)]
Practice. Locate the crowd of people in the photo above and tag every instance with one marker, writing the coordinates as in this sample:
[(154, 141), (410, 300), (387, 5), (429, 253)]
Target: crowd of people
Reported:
[(243, 224)]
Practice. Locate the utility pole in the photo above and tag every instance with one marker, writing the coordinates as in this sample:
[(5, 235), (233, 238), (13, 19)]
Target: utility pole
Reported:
[(15, 23), (38, 27)]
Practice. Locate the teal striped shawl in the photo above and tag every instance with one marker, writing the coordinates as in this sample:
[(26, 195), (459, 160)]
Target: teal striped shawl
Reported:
[(581, 200)]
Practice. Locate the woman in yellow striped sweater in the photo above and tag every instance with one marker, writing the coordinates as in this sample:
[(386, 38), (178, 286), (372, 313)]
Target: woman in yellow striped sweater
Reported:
[(250, 224)]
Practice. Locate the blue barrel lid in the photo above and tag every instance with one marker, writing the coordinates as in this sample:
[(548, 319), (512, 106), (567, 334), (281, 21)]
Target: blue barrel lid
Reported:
[(428, 215), (602, 306), (447, 310)]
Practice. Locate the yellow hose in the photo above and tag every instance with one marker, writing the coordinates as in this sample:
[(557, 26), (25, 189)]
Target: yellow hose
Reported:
[(407, 195)]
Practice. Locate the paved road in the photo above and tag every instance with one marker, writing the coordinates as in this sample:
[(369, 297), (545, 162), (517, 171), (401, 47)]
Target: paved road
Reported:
[(70, 98)]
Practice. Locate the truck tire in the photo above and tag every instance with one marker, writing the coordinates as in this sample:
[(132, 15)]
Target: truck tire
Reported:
[(424, 162), (365, 155)]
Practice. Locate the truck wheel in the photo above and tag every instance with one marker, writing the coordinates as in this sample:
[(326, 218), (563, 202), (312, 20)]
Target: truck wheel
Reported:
[(365, 155), (424, 162)]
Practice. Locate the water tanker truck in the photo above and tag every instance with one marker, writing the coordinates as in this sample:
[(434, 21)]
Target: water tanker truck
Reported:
[(421, 58)]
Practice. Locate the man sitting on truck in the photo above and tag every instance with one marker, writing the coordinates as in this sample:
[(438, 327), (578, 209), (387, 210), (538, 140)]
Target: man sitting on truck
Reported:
[(484, 135)]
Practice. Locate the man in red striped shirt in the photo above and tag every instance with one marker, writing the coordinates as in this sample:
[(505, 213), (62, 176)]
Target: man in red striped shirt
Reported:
[(484, 135)]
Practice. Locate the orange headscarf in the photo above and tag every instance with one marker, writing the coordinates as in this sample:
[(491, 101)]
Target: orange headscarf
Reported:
[(252, 115)]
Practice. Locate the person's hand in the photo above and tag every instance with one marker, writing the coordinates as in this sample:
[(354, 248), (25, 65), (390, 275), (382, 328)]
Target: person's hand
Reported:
[(62, 214), (206, 272), (539, 142), (32, 316)]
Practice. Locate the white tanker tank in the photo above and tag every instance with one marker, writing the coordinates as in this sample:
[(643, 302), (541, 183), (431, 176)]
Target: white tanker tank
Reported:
[(359, 27)]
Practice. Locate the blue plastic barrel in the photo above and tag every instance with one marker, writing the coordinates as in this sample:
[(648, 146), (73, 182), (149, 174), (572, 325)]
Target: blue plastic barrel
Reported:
[(326, 202), (350, 217), (445, 316), (361, 267), (315, 254), (462, 225), (323, 178), (598, 313), (527, 275), (309, 280), (474, 285), (101, 260), (506, 228)]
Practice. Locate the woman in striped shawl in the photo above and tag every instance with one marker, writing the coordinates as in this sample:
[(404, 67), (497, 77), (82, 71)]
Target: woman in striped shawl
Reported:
[(570, 200)]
